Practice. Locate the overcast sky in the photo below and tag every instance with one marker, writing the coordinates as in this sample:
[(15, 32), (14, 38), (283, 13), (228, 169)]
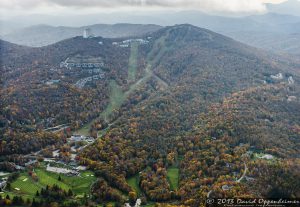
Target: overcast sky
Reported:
[(10, 8)]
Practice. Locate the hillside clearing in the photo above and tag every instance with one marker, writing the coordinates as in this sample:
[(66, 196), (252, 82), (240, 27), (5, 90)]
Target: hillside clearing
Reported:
[(173, 177)]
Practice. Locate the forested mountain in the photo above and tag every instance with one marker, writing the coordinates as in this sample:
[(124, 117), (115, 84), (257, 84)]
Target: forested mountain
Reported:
[(182, 98), (42, 35), (37, 93), (177, 118), (273, 31)]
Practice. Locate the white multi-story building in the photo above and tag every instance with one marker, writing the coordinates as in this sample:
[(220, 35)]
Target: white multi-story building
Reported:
[(87, 33)]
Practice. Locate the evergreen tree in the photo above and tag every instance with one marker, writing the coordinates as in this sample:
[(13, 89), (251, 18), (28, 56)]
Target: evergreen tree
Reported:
[(34, 203), (70, 193)]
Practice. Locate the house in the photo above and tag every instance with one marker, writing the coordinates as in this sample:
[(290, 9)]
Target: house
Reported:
[(51, 82), (249, 179), (278, 76), (3, 184), (228, 165), (291, 98), (291, 80), (226, 187), (79, 138), (55, 153), (18, 167), (267, 157), (80, 167)]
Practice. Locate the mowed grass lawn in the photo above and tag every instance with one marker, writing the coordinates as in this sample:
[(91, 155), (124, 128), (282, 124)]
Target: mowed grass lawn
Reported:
[(173, 177), (134, 183), (82, 184), (28, 187), (47, 178)]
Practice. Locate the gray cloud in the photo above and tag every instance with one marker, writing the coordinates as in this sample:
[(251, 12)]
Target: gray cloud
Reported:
[(208, 5)]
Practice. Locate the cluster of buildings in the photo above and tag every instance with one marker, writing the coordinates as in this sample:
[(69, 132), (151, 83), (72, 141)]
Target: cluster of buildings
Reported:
[(70, 168), (81, 83), (64, 171), (51, 82), (278, 76), (83, 62), (127, 43), (81, 138)]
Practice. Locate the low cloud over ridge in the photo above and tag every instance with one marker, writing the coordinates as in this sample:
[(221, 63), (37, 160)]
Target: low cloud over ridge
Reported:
[(205, 5)]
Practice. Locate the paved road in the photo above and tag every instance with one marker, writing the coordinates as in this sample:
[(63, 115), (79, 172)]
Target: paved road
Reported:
[(244, 174)]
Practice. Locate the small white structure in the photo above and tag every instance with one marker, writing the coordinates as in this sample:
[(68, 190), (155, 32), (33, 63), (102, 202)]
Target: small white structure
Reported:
[(267, 157), (278, 76), (138, 203), (249, 179), (87, 33), (55, 153), (291, 98), (79, 138), (3, 184), (51, 82), (18, 167), (49, 160), (81, 168), (226, 187), (31, 162), (291, 81)]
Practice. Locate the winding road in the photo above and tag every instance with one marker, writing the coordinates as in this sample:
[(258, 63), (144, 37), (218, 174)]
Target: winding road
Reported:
[(237, 181), (244, 174)]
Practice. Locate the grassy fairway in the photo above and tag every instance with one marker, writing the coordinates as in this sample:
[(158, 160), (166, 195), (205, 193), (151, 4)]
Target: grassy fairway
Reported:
[(132, 67), (134, 183), (173, 177), (27, 187), (47, 178), (81, 185)]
